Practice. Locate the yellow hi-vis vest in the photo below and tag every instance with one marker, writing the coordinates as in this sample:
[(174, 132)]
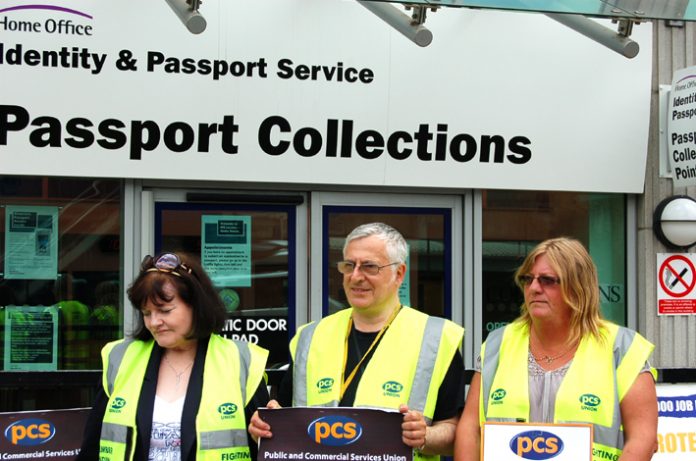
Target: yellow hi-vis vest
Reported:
[(597, 380), (220, 421), (408, 365)]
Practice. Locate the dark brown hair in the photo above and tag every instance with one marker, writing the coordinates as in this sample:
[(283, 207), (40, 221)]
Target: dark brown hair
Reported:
[(195, 288)]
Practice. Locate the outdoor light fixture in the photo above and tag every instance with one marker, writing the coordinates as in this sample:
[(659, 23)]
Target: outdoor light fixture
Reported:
[(616, 41), (410, 26), (674, 222), (187, 10)]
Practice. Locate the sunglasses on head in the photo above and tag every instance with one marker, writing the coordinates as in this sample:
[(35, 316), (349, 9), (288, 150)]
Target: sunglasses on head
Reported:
[(166, 262)]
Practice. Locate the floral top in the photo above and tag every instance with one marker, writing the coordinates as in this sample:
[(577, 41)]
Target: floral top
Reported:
[(543, 387)]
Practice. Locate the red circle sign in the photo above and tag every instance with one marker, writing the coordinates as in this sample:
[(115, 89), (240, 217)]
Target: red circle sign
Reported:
[(678, 287)]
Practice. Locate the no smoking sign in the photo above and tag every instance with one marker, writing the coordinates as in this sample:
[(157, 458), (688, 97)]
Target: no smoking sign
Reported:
[(676, 287)]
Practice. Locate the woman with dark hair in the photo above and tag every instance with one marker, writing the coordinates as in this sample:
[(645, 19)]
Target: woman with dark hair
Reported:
[(176, 390)]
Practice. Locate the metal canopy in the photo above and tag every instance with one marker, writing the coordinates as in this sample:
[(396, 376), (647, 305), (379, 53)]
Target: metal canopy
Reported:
[(575, 14), (682, 10)]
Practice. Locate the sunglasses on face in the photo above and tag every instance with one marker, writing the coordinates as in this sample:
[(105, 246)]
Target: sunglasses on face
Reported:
[(166, 262), (347, 267), (544, 280)]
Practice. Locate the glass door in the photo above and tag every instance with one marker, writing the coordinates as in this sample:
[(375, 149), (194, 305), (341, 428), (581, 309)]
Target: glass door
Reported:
[(250, 252), (432, 227)]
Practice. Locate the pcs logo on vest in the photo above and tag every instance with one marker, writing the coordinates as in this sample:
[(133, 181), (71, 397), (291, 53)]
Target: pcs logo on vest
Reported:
[(536, 445), (29, 432), (589, 402), (497, 396), (227, 410), (325, 385), (392, 389), (334, 431), (117, 404)]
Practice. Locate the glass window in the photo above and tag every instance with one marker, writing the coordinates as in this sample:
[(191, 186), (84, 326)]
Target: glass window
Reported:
[(59, 253), (427, 285), (515, 221), (248, 251), (60, 287)]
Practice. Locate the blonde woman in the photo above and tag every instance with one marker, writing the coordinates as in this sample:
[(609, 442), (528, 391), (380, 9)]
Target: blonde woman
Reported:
[(538, 368)]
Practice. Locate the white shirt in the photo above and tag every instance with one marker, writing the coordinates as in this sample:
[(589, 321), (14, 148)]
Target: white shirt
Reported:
[(165, 438)]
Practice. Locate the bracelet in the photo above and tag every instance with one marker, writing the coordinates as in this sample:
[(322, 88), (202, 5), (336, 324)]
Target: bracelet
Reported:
[(422, 447)]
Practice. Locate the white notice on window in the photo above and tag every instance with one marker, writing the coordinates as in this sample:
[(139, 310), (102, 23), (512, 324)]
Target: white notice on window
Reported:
[(31, 236)]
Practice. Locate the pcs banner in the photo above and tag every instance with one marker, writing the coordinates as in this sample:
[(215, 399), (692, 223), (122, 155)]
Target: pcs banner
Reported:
[(51, 435), (333, 434)]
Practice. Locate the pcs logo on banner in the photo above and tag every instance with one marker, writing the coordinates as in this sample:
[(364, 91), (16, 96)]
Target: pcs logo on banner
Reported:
[(334, 431), (536, 445), (30, 432)]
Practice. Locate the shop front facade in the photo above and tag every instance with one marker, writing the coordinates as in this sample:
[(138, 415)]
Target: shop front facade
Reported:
[(258, 155)]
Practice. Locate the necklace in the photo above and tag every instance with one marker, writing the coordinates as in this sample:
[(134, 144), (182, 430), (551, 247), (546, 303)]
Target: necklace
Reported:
[(548, 358), (178, 374)]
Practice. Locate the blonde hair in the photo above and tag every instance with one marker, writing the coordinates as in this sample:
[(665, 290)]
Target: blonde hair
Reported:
[(578, 281)]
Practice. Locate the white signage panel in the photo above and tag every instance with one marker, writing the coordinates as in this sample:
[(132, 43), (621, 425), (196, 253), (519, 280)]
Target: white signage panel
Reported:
[(681, 127), (319, 92), (676, 425)]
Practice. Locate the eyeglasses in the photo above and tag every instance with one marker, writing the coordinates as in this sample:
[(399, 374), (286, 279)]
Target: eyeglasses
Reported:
[(347, 267), (544, 280), (166, 262)]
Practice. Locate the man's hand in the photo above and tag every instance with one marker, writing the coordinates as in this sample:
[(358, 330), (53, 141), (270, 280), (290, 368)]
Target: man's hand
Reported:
[(258, 428), (436, 439), (413, 429)]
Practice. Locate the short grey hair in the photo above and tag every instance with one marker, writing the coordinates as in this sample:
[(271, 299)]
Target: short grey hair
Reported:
[(396, 246)]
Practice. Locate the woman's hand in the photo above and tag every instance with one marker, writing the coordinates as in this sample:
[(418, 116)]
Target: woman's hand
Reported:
[(258, 428)]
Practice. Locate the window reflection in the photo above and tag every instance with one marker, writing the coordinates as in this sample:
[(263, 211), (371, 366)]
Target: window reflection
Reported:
[(427, 285), (88, 255), (84, 287), (515, 221), (259, 306)]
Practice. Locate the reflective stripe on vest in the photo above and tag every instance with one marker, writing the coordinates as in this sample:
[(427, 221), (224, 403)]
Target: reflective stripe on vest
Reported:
[(114, 432), (624, 361), (430, 341), (425, 368), (114, 359), (300, 343), (245, 362), (223, 425), (220, 422), (122, 382), (213, 440)]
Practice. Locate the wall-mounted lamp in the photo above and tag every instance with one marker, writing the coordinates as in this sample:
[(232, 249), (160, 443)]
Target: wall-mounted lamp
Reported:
[(674, 222), (187, 10)]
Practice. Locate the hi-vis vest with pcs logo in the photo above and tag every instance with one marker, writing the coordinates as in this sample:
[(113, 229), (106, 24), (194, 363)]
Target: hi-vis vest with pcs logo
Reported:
[(220, 422), (408, 366), (597, 380)]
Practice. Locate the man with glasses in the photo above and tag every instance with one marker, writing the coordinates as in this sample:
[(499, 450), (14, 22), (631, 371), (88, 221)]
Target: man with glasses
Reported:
[(377, 352)]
